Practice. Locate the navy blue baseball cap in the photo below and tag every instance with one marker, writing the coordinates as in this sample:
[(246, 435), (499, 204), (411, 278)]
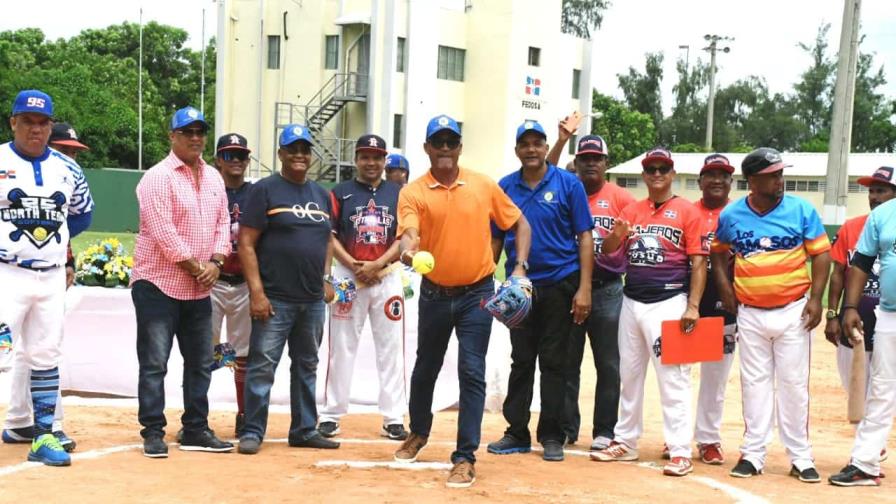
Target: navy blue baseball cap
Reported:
[(372, 143), (528, 126), (187, 116), (440, 123), (33, 101), (294, 133), (398, 162), (592, 144)]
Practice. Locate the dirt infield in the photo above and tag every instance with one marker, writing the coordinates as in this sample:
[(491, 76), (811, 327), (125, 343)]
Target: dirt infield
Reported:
[(109, 467)]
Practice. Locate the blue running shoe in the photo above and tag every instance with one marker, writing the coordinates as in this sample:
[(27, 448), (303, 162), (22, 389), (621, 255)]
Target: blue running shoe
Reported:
[(48, 450), (509, 444), (20, 435)]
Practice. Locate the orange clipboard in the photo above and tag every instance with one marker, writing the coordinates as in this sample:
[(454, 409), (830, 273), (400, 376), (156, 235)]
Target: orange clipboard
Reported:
[(703, 344)]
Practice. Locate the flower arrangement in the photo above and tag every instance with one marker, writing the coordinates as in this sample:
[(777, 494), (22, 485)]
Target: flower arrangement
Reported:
[(105, 264)]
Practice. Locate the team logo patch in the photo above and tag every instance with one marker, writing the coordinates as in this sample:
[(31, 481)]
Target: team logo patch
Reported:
[(297, 131), (765, 242), (670, 214), (342, 310), (549, 196), (646, 251), (443, 121), (192, 114), (35, 217), (394, 308), (603, 203), (235, 140), (371, 223), (658, 347)]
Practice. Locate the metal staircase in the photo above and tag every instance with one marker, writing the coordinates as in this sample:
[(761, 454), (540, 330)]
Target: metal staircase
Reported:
[(333, 156)]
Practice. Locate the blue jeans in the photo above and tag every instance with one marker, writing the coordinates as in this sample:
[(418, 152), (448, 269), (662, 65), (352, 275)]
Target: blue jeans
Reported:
[(302, 326), (439, 315), (159, 318), (602, 329)]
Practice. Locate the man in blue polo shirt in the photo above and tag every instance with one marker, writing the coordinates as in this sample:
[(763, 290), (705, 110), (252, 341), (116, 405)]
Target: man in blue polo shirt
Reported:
[(878, 240), (560, 267)]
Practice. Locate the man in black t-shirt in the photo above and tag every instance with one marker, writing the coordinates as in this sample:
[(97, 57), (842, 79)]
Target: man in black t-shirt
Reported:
[(364, 223), (286, 253)]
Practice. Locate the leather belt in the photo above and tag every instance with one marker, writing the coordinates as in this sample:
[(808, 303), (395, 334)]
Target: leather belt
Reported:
[(232, 279), (458, 290)]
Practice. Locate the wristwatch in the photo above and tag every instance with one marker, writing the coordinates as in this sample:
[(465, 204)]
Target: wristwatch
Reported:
[(329, 278), (217, 262), (525, 265), (830, 314)]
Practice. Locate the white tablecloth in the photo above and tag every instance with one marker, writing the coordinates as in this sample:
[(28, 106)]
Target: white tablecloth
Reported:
[(100, 356)]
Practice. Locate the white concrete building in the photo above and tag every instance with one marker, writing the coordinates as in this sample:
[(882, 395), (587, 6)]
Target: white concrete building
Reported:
[(806, 178), (349, 67)]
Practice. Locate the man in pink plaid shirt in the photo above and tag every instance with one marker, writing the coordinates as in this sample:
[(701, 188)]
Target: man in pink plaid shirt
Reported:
[(184, 237)]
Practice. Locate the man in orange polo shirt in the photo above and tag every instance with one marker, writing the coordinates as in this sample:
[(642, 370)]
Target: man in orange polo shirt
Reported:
[(447, 212)]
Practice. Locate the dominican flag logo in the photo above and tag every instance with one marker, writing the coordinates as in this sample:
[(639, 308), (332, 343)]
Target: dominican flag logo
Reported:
[(603, 203), (670, 214), (533, 86)]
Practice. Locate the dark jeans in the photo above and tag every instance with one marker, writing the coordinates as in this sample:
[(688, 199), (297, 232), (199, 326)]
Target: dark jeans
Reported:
[(159, 318), (603, 328), (544, 336), (439, 315), (302, 326)]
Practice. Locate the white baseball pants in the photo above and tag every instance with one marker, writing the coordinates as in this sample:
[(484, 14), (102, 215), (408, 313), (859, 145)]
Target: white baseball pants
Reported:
[(383, 304), (880, 403), (711, 398), (232, 302), (639, 330), (774, 374)]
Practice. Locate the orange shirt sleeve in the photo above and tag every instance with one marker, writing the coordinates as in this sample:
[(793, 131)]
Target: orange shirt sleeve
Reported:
[(503, 213), (694, 230), (839, 252), (409, 209)]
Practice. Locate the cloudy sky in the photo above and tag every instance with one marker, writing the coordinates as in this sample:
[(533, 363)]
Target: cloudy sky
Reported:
[(766, 32)]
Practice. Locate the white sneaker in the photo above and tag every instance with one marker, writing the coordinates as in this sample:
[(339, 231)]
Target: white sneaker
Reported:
[(678, 466), (600, 443), (615, 452)]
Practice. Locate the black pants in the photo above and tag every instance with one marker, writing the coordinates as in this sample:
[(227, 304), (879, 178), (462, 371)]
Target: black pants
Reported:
[(543, 335), (602, 330)]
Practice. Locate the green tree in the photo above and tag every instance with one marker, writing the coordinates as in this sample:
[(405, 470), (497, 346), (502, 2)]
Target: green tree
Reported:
[(687, 124), (642, 90), (814, 92), (873, 129), (628, 132), (580, 17)]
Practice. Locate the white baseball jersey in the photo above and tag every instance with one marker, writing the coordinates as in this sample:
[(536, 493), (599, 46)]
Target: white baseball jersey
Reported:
[(36, 197)]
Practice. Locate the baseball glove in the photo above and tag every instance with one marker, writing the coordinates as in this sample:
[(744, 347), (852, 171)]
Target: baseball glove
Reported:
[(511, 304), (345, 289), (224, 356)]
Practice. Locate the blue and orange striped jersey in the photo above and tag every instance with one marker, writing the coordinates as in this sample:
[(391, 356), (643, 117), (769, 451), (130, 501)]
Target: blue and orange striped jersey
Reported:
[(771, 249)]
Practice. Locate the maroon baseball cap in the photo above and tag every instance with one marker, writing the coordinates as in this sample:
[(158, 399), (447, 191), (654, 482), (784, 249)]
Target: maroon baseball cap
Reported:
[(883, 175), (716, 162), (658, 154), (592, 144)]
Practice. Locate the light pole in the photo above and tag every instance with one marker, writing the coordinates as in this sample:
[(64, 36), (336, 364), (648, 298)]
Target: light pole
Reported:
[(687, 55), (712, 48)]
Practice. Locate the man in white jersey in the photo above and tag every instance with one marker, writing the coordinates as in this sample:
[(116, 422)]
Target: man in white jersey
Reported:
[(43, 195)]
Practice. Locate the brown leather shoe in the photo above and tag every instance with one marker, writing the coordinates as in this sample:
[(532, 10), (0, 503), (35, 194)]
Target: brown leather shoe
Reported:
[(410, 448), (462, 475)]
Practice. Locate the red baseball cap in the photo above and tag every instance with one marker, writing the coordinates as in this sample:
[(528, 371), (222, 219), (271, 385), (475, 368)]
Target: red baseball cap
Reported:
[(658, 154), (716, 162)]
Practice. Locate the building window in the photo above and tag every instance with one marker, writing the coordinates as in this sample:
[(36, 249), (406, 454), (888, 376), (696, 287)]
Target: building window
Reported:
[(742, 185), (331, 52), (855, 187), (273, 52), (691, 184), (576, 80), (397, 122), (534, 56), (572, 145), (451, 63), (628, 181), (400, 54), (804, 185)]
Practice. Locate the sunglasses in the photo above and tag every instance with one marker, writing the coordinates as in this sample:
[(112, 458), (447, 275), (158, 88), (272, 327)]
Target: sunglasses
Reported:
[(440, 143), (191, 132), (297, 148), (229, 155), (653, 170)]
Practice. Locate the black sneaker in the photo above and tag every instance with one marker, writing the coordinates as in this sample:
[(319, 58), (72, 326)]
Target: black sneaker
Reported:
[(553, 451), (155, 447), (20, 435), (249, 445), (807, 475), (394, 431), (239, 424), (204, 441), (853, 476), (328, 429), (744, 469), (509, 444), (68, 444), (316, 441)]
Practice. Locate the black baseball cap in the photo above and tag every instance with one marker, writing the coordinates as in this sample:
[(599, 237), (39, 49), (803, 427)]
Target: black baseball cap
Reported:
[(883, 175), (232, 141), (64, 134), (371, 143), (761, 161)]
